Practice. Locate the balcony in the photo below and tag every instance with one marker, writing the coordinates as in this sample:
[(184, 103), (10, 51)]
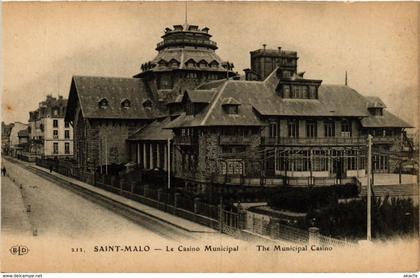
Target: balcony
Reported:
[(170, 42), (235, 140), (385, 140), (185, 140), (325, 141)]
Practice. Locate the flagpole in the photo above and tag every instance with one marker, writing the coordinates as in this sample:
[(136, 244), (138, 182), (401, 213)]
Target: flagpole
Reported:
[(369, 188)]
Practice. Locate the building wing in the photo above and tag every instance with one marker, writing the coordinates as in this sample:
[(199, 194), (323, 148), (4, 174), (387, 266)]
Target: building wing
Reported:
[(110, 98)]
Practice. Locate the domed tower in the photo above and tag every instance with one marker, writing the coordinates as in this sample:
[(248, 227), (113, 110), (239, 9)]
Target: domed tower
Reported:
[(186, 58)]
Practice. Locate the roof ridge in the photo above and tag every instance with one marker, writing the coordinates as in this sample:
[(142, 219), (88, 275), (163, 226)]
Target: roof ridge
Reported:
[(213, 102), (106, 77)]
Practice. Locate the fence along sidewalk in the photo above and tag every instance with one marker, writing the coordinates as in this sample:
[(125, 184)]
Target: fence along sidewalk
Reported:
[(212, 216)]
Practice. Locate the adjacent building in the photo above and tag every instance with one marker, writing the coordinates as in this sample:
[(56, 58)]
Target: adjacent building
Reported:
[(49, 135), (15, 148), (5, 137)]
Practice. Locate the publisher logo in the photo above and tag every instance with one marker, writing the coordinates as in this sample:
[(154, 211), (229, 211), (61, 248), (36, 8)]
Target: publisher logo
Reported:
[(19, 250)]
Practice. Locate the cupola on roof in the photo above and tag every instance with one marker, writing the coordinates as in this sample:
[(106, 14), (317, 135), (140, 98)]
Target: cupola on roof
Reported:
[(186, 35), (186, 47)]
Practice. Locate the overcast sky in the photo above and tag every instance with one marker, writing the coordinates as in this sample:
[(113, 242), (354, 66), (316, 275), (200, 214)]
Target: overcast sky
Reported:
[(44, 44)]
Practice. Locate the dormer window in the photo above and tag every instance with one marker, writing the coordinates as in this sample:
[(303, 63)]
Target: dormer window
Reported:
[(103, 103), (214, 64), (190, 63), (125, 103), (147, 104), (376, 111), (202, 64), (232, 109), (375, 106), (231, 105), (173, 63), (162, 62)]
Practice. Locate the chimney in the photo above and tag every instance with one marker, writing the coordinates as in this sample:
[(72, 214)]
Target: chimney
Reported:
[(264, 46), (279, 48)]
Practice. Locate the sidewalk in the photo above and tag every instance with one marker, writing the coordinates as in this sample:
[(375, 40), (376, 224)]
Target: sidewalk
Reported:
[(152, 212), (14, 218)]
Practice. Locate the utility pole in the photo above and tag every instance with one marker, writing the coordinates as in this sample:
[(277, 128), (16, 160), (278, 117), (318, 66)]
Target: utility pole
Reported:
[(169, 163), (100, 154), (369, 188), (106, 156)]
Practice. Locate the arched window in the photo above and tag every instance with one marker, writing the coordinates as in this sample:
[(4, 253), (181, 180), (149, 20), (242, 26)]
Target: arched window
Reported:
[(103, 103)]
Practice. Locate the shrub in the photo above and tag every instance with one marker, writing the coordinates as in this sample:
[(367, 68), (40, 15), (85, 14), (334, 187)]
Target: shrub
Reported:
[(305, 199), (390, 217)]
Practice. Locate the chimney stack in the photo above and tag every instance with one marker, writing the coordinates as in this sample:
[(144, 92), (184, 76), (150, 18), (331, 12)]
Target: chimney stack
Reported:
[(264, 46), (279, 49)]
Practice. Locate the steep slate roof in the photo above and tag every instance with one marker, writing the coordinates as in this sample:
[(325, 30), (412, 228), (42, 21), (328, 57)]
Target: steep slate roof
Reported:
[(261, 97), (155, 131), (387, 120), (89, 90)]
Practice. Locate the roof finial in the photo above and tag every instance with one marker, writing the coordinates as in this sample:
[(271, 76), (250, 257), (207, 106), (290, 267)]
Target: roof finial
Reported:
[(345, 79)]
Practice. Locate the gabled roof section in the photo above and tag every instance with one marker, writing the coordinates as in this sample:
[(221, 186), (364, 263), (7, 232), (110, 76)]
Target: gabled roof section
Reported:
[(230, 101), (155, 131), (200, 96), (375, 102), (89, 90), (386, 120)]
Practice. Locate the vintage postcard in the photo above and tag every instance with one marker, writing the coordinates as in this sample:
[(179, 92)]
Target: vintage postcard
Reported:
[(210, 137)]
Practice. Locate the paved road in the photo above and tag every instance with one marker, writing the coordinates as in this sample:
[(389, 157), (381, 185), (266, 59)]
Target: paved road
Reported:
[(58, 211)]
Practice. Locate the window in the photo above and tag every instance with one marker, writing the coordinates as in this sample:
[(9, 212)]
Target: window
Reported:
[(389, 132), (55, 111), (311, 130), (234, 167), (329, 129), (345, 128), (55, 148), (312, 92), (192, 75), (232, 109), (212, 76), (125, 103), (66, 124), (147, 104), (55, 123), (67, 134), (295, 92), (189, 108), (376, 111), (273, 130), (55, 134), (380, 163), (286, 91), (286, 74), (103, 103), (293, 128), (66, 148)]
